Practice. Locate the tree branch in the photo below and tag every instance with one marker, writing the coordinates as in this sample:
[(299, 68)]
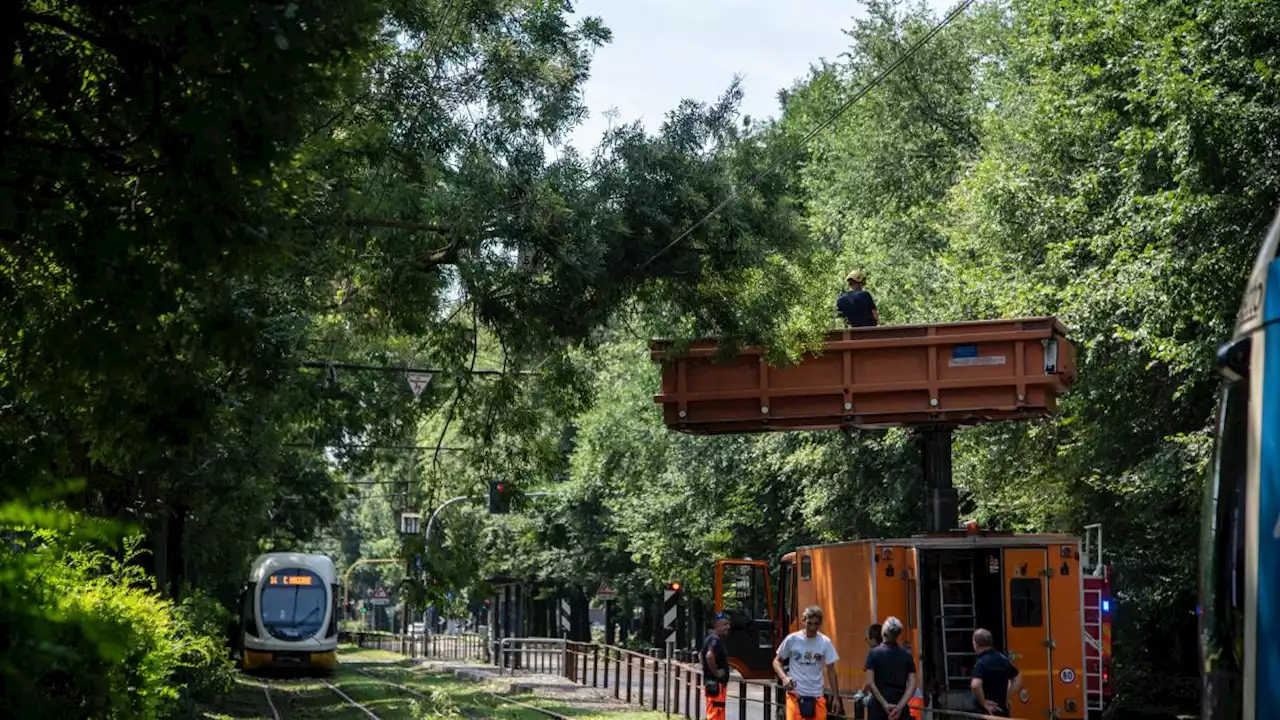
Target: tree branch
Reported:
[(70, 30), (447, 255), (399, 225)]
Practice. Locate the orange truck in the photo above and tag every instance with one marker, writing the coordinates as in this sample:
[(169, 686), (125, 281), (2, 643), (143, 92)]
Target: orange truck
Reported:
[(1028, 590)]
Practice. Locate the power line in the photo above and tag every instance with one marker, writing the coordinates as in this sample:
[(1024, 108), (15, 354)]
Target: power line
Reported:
[(358, 446), (321, 365), (733, 193)]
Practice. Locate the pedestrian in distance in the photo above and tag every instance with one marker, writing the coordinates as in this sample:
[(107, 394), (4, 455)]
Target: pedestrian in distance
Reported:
[(809, 653), (856, 305), (715, 667), (891, 673), (995, 677)]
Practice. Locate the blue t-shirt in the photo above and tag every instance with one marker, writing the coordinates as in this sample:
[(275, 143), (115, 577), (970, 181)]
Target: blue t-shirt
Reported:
[(856, 307), (717, 648), (995, 671), (892, 665)]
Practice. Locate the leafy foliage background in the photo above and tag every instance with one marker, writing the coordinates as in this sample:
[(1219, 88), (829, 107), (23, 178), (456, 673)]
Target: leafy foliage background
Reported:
[(208, 209)]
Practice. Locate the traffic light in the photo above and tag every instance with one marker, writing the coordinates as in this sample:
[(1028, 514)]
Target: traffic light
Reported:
[(673, 586), (499, 497)]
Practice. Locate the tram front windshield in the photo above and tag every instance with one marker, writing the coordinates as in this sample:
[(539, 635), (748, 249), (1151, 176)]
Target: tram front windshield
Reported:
[(1222, 560), (293, 604)]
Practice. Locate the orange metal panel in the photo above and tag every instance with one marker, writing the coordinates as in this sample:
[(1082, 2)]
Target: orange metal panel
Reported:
[(1027, 644), (913, 638), (839, 584), (1066, 627), (948, 373)]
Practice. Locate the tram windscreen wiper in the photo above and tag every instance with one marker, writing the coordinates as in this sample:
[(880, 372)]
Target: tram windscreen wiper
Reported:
[(303, 621)]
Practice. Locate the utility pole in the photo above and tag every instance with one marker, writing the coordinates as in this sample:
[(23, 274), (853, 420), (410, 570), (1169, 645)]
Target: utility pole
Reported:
[(408, 561), (431, 521)]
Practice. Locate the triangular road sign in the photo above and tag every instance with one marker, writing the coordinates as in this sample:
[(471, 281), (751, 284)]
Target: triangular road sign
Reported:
[(418, 381)]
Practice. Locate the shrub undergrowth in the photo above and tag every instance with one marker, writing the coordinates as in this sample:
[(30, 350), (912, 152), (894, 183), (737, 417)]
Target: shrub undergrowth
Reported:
[(87, 635)]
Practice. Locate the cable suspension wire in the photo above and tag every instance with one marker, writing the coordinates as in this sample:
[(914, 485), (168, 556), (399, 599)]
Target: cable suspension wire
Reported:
[(788, 152)]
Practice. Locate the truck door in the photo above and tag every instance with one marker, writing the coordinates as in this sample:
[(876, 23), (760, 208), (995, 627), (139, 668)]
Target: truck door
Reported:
[(785, 620), (910, 578), (742, 592), (1027, 628)]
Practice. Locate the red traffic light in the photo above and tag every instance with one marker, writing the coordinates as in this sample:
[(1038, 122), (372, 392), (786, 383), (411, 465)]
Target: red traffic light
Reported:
[(502, 487), (674, 586)]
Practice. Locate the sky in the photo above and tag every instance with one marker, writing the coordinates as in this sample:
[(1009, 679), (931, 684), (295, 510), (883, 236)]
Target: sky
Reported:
[(666, 50)]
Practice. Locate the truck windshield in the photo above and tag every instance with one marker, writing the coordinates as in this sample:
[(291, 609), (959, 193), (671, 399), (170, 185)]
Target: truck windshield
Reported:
[(1222, 559), (293, 604)]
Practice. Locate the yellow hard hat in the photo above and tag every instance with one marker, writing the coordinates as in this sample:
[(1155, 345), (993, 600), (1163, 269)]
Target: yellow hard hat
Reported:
[(858, 276)]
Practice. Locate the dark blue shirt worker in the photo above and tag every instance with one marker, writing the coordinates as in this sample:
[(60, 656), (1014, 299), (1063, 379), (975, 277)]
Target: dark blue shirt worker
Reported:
[(715, 667), (891, 674), (995, 678), (856, 305)]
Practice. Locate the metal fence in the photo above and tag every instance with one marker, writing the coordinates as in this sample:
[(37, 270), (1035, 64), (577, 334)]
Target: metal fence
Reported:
[(462, 648), (636, 678)]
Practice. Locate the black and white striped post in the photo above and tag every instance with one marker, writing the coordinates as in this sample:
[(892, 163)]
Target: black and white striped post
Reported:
[(670, 614), (566, 618)]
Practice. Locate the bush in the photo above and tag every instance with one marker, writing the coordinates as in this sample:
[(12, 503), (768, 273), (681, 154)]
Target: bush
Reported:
[(205, 668), (87, 635)]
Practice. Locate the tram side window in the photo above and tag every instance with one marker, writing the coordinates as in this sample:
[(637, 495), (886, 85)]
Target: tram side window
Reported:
[(247, 619), (1027, 602), (1222, 567)]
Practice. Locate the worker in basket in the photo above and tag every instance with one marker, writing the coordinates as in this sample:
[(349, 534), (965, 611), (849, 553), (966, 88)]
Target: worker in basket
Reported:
[(856, 305)]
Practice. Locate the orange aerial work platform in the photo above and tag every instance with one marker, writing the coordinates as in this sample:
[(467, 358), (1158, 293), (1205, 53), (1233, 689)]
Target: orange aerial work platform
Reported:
[(942, 374)]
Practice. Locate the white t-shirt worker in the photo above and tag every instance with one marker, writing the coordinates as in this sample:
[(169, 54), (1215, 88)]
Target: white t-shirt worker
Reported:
[(808, 653)]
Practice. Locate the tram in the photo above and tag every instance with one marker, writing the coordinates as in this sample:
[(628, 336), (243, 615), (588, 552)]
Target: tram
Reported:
[(289, 613), (1239, 603)]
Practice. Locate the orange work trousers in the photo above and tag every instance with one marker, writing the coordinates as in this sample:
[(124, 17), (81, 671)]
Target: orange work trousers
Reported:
[(793, 708), (715, 703)]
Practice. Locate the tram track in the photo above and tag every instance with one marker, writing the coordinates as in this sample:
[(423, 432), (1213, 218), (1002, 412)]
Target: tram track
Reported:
[(281, 710), (466, 711), (346, 697), (298, 684), (266, 690)]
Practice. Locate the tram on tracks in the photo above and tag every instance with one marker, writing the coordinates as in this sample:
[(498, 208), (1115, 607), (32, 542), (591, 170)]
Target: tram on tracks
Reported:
[(1239, 606), (289, 613)]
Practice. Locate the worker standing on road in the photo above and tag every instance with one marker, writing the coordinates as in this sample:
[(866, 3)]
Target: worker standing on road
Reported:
[(809, 652), (715, 667), (856, 305), (995, 678), (891, 673)]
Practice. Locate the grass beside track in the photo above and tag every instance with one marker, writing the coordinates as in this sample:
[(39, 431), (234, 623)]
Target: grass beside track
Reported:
[(444, 696)]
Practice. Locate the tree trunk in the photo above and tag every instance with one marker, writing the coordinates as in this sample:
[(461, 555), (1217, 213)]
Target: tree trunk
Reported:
[(176, 546), (160, 549)]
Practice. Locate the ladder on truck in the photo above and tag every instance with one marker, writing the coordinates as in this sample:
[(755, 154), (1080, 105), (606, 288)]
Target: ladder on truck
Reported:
[(959, 619), (1096, 593)]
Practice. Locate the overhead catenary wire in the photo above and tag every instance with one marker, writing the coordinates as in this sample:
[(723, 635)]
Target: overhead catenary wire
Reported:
[(362, 446), (844, 107), (323, 365)]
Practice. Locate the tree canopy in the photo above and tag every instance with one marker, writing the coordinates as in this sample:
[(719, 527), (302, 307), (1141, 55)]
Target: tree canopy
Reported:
[(227, 229)]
